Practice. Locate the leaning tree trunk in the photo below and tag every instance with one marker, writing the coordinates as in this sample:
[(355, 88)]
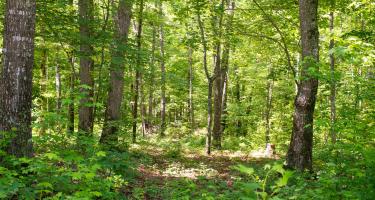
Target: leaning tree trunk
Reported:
[(86, 117), (115, 94), (16, 77), (299, 155)]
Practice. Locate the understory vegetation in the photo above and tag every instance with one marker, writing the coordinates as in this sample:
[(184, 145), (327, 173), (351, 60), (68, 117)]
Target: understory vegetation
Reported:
[(187, 99)]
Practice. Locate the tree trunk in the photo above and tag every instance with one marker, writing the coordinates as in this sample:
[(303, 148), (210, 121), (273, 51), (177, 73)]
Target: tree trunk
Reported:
[(152, 79), (270, 83), (138, 71), (299, 154), (163, 75), (218, 83), (209, 117), (191, 78), (43, 89), (58, 87), (16, 77), (333, 81), (72, 96), (116, 89), (86, 119)]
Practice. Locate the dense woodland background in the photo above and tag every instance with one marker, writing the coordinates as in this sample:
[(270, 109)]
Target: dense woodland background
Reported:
[(187, 99)]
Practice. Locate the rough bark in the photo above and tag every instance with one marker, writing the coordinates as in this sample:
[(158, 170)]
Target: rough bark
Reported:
[(16, 77), (299, 154), (163, 75), (218, 90), (86, 118), (138, 70), (116, 88)]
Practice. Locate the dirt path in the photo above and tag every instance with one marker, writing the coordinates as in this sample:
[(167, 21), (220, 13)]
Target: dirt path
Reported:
[(162, 170)]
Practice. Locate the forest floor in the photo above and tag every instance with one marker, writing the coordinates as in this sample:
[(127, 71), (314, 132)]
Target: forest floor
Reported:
[(172, 171)]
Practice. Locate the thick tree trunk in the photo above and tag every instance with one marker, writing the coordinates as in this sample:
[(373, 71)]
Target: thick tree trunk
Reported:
[(86, 118), (115, 94), (300, 150), (163, 75), (138, 74), (218, 83), (16, 77)]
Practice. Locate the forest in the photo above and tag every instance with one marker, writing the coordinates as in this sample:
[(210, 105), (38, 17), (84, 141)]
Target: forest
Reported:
[(187, 99)]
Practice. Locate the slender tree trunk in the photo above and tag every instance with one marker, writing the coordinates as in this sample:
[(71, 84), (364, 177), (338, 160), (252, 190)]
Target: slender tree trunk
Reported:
[(43, 88), (152, 79), (333, 81), (299, 155), (16, 77), (72, 96), (209, 117), (163, 75), (138, 70), (58, 87), (191, 89), (44, 79), (86, 119), (115, 94), (270, 83), (142, 106), (98, 92), (210, 80), (238, 101)]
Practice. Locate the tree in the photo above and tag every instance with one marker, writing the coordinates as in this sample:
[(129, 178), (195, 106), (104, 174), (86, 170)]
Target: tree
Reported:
[(138, 75), (115, 94), (163, 75), (299, 154), (16, 77), (86, 117)]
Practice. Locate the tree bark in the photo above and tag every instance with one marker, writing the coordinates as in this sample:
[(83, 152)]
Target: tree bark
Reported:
[(210, 80), (332, 69), (163, 75), (299, 154), (270, 83), (191, 89), (116, 89), (218, 83), (71, 114), (16, 77), (152, 79), (58, 87), (138, 70), (86, 118)]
